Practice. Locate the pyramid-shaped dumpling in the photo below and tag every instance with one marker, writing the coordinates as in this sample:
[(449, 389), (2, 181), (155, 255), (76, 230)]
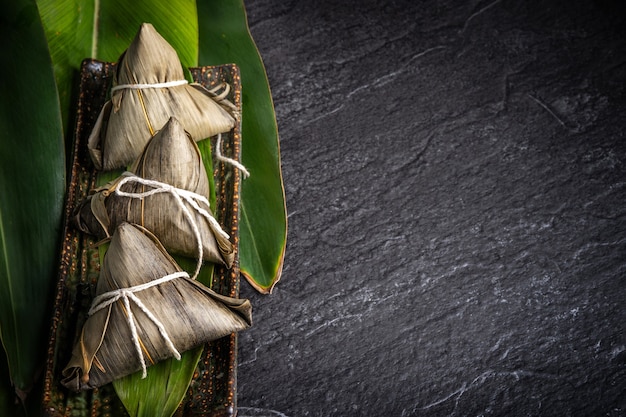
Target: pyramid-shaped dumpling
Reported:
[(139, 108), (141, 286)]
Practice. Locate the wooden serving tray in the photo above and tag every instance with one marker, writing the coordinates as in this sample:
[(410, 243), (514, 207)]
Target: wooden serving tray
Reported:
[(213, 388)]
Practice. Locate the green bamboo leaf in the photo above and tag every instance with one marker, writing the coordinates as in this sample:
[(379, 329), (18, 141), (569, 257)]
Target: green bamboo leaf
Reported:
[(32, 187), (161, 392), (103, 29), (225, 38)]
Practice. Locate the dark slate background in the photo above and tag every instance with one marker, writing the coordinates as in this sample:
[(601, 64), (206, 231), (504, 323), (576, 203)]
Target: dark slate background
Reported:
[(455, 174)]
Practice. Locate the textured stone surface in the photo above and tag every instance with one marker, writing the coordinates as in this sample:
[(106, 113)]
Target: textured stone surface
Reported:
[(456, 181)]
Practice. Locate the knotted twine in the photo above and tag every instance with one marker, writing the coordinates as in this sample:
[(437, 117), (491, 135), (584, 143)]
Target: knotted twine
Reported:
[(218, 144), (179, 195), (126, 294)]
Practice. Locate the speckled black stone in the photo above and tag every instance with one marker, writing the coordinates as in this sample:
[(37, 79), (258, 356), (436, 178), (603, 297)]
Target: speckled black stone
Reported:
[(455, 174)]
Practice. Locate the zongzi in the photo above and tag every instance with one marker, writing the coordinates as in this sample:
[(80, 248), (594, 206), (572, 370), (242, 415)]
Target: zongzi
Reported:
[(166, 193), (146, 309), (149, 87)]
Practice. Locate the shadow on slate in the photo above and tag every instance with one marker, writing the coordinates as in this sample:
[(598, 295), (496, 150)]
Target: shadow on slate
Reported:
[(456, 181)]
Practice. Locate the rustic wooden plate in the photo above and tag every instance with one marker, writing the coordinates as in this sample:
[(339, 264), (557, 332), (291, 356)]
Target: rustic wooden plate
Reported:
[(213, 389)]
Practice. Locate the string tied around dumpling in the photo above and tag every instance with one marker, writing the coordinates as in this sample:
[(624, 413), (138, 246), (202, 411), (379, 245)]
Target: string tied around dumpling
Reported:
[(144, 86), (181, 197), (126, 295)]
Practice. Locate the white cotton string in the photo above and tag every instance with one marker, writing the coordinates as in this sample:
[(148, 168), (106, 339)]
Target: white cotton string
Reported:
[(220, 157), (179, 195), (126, 294), (144, 86)]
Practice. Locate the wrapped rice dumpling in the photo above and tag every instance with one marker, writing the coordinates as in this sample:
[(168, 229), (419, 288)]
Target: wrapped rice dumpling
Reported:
[(149, 87), (166, 193), (146, 310)]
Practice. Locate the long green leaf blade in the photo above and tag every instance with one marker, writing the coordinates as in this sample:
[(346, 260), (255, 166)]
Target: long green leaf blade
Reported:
[(32, 184), (103, 29), (68, 25), (225, 38), (163, 389)]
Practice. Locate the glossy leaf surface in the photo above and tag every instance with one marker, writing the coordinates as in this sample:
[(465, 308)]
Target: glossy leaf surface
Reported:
[(225, 38), (32, 186), (161, 392)]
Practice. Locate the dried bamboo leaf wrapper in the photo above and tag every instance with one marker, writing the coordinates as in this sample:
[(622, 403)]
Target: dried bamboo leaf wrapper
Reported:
[(133, 115), (171, 157), (190, 313)]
